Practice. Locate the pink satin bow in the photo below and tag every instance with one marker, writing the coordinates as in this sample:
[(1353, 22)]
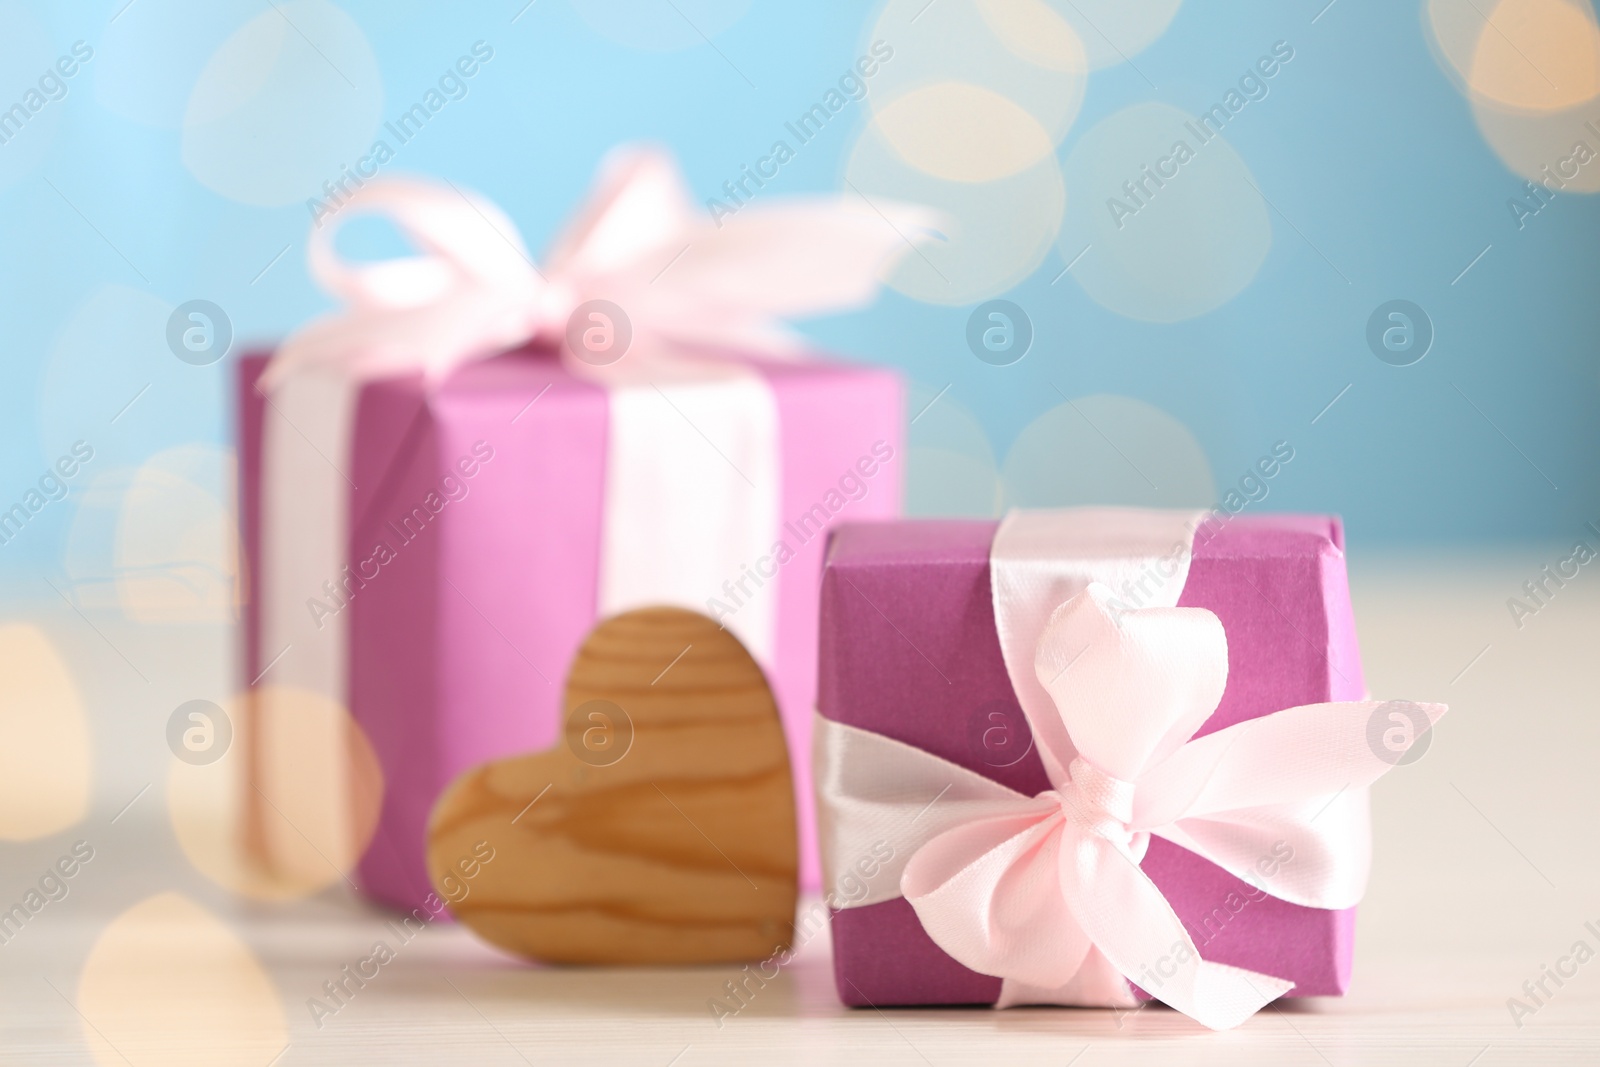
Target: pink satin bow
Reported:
[(639, 243), (1048, 893)]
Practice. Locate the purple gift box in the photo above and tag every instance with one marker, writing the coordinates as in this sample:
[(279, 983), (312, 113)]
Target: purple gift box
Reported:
[(909, 650), (457, 651)]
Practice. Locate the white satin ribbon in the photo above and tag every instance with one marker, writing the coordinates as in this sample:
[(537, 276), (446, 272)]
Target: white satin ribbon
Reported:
[(693, 480), (1046, 892), (304, 532)]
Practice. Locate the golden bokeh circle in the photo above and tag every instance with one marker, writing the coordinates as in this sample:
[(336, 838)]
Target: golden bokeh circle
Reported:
[(1022, 51), (168, 982), (991, 236), (46, 762), (1519, 56), (290, 808)]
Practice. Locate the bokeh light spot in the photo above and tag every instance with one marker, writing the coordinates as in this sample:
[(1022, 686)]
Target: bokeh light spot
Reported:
[(963, 133), (1028, 54), (994, 233), (46, 761), (290, 808), (1107, 449), (168, 982), (951, 469), (1558, 151), (1536, 56), (110, 361), (1114, 31), (285, 102), (159, 543), (1035, 32), (1541, 55), (1169, 213)]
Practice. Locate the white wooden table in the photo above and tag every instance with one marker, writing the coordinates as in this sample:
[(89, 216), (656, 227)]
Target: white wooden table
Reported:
[(1486, 871)]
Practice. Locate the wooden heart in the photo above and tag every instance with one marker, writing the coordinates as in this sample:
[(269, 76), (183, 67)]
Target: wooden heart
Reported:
[(660, 828)]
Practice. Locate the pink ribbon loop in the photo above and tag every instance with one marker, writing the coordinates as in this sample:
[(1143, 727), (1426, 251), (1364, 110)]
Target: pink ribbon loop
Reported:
[(1043, 891), (683, 281)]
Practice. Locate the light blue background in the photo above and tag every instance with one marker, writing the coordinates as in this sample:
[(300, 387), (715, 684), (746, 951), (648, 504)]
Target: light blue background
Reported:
[(1366, 145)]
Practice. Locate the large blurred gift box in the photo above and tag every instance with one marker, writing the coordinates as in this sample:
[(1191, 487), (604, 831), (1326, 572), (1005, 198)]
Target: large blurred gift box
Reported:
[(450, 481)]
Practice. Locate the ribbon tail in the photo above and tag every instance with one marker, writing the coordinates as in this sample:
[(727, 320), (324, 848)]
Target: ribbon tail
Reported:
[(1288, 756), (1221, 997), (1097, 984), (1317, 853), (1129, 920), (795, 258), (1283, 797)]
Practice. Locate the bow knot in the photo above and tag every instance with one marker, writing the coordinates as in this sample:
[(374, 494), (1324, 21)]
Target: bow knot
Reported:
[(1098, 804), (1059, 905), (639, 245)]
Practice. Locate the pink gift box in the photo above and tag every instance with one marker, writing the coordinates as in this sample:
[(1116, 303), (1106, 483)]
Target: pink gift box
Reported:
[(447, 647), (909, 650)]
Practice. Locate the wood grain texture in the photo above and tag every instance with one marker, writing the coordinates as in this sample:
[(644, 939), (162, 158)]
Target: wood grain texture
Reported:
[(674, 845)]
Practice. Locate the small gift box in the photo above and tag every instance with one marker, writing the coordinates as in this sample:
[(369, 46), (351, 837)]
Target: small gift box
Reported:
[(447, 483), (1094, 756)]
